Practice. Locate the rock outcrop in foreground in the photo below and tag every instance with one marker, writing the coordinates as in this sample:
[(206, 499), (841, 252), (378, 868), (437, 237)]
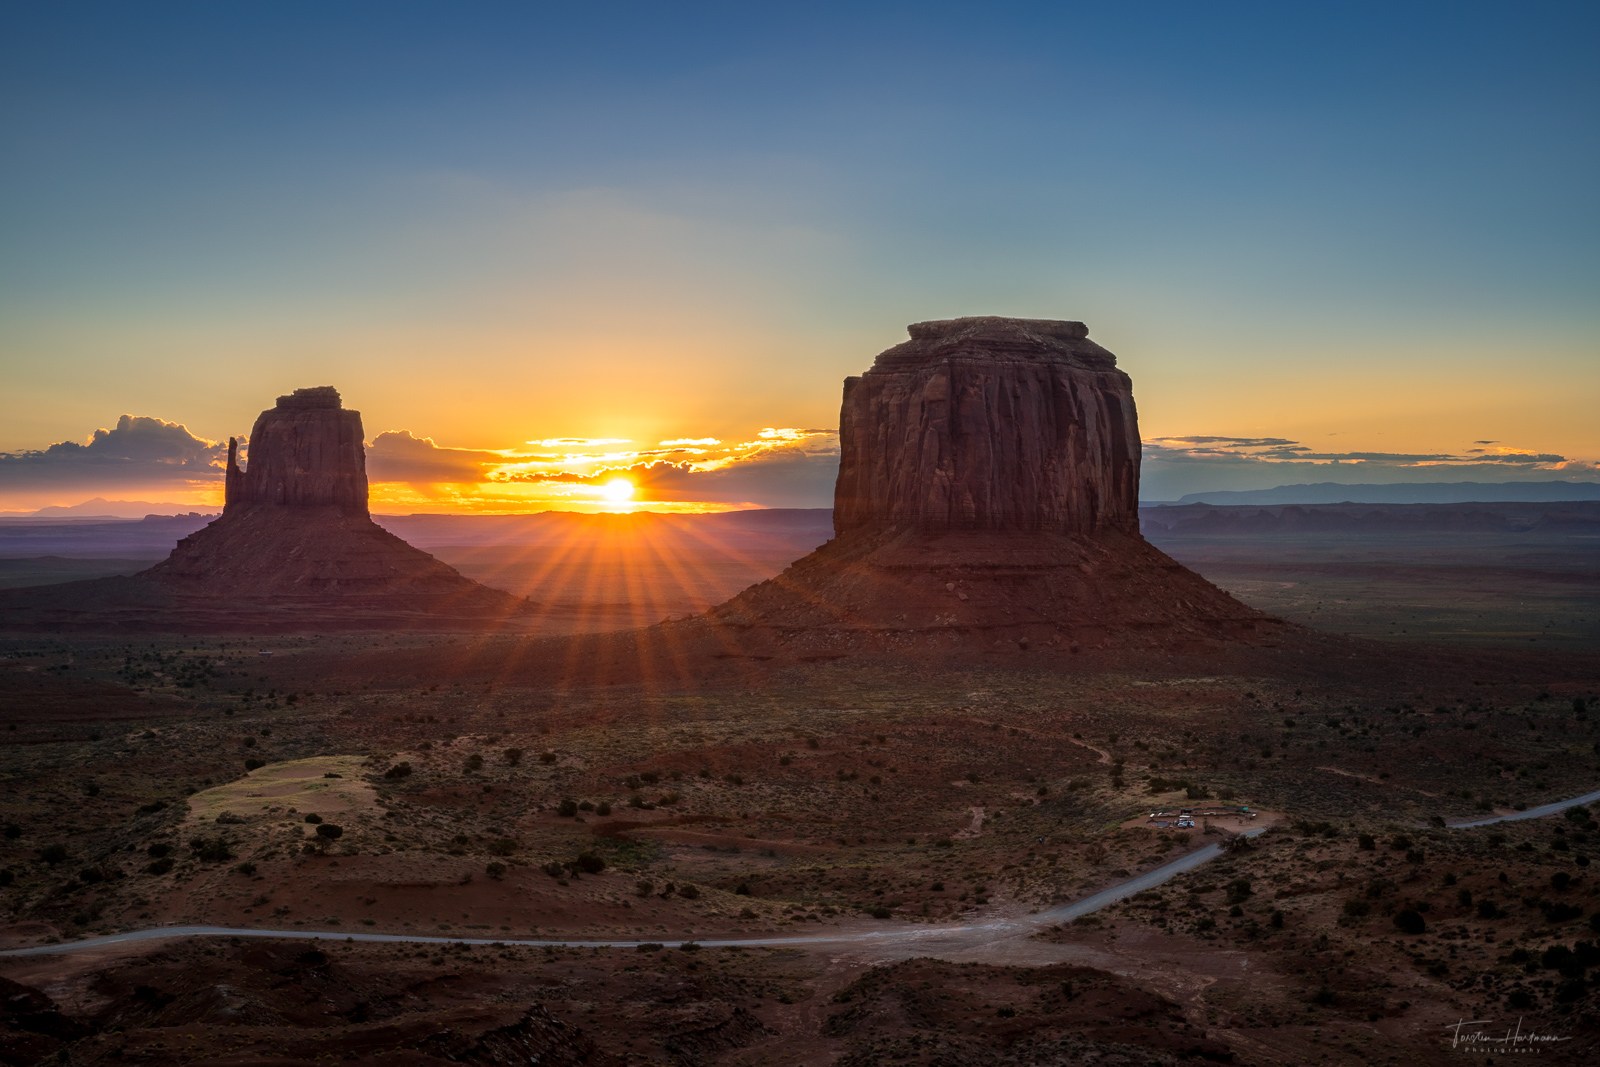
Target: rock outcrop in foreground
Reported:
[(294, 549), (988, 500)]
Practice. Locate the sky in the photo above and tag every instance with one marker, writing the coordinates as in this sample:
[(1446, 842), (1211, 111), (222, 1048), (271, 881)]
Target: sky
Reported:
[(622, 254)]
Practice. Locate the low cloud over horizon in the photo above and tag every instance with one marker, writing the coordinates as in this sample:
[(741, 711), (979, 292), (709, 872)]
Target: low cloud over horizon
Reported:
[(774, 467)]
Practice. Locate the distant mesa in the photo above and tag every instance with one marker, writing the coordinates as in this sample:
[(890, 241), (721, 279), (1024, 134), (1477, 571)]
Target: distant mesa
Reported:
[(294, 549)]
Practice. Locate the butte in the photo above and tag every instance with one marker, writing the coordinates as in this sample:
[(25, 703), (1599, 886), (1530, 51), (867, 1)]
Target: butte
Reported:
[(294, 549), (987, 501)]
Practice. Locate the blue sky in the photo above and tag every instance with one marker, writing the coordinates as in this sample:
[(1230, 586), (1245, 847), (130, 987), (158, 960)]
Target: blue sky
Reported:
[(1369, 228)]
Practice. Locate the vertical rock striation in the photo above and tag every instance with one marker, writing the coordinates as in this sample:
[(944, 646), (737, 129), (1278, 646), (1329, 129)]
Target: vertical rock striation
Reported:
[(305, 452), (990, 424)]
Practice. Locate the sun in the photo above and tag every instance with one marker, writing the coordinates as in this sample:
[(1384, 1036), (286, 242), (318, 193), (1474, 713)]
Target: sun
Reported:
[(617, 490)]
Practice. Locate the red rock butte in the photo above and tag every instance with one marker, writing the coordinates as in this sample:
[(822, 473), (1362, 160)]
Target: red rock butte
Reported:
[(987, 501), (294, 549)]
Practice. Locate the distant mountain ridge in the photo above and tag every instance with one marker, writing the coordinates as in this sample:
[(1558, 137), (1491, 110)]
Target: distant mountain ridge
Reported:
[(1404, 493)]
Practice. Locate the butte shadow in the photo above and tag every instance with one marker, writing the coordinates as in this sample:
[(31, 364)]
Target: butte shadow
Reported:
[(295, 549)]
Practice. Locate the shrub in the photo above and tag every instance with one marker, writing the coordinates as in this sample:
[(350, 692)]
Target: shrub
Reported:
[(632, 781), (589, 863), (495, 870), (53, 853), (1400, 842), (313, 818), (246, 868), (513, 756), (399, 770), (568, 809), (650, 946), (689, 892), (502, 846), (1367, 842), (160, 866), (211, 849), (553, 869), (650, 776), (643, 887), (1239, 891), (1195, 792), (91, 875), (158, 850), (12, 831), (547, 757), (1409, 921), (1277, 919), (1355, 907), (254, 764), (603, 808), (1488, 909), (878, 911), (474, 762), (329, 832)]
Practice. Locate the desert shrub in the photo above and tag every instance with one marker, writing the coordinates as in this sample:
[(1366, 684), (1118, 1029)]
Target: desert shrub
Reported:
[(643, 887), (329, 832), (160, 866), (512, 756), (502, 846), (669, 799), (585, 806), (1237, 843), (495, 870), (313, 818), (91, 875), (1277, 919), (12, 831), (743, 889), (1399, 842), (1557, 912), (246, 868), (399, 770), (474, 762), (650, 946), (878, 911), (603, 808), (689, 892), (1409, 921), (632, 781), (735, 779), (212, 850), (1367, 842), (1165, 785), (553, 869), (1464, 897), (568, 809), (547, 757), (1195, 792), (784, 761), (1225, 794), (688, 946), (53, 853), (1355, 907), (589, 863), (1561, 881), (254, 764), (157, 850), (1239, 891), (650, 776), (1414, 856)]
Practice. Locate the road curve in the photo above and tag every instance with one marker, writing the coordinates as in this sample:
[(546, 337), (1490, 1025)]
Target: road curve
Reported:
[(1532, 813), (999, 928)]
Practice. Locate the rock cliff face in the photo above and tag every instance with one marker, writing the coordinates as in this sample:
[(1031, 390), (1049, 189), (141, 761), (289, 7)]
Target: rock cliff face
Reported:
[(306, 451), (990, 424)]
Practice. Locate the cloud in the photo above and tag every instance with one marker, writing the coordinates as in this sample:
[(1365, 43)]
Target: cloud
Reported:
[(141, 450), (397, 456), (1174, 466), (781, 467)]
